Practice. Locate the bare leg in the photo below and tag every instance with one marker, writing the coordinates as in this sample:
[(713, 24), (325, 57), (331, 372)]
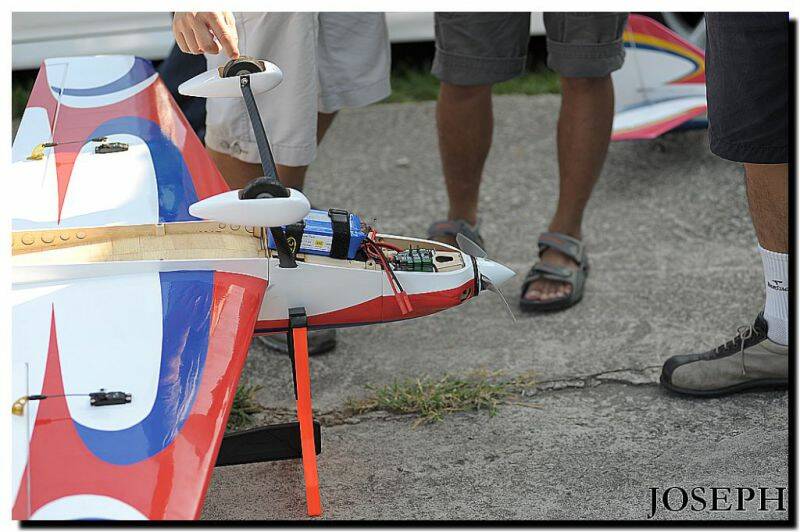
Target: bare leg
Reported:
[(238, 173), (292, 176), (324, 121), (768, 197), (584, 131), (464, 121)]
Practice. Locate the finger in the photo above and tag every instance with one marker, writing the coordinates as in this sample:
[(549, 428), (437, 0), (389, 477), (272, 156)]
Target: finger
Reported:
[(177, 31), (182, 43), (191, 42), (205, 39), (225, 32), (175, 28), (231, 20)]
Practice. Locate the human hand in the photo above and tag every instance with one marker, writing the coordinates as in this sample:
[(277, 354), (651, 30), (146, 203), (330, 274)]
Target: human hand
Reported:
[(204, 32)]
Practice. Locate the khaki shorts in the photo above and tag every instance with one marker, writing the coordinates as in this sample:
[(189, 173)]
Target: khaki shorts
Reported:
[(329, 61), (485, 48)]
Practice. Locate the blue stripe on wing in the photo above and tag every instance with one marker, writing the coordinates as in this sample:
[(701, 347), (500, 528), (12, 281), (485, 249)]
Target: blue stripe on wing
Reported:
[(643, 46), (186, 298), (139, 71), (176, 190)]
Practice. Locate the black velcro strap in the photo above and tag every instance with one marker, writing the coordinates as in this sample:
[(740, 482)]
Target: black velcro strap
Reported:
[(340, 223), (294, 236)]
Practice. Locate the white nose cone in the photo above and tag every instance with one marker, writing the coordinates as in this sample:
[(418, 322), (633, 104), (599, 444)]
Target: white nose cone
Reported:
[(258, 212), (494, 271), (209, 84)]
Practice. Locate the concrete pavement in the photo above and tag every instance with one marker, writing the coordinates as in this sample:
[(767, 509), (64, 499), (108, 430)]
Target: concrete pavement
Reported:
[(674, 269)]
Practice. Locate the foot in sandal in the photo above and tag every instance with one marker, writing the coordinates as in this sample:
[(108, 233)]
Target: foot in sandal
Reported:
[(556, 281), (445, 231)]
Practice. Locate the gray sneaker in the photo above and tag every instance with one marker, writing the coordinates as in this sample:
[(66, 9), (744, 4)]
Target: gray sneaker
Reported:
[(319, 342), (750, 360)]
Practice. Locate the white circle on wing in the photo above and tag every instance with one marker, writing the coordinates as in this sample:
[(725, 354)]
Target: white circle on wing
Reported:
[(81, 74), (87, 506)]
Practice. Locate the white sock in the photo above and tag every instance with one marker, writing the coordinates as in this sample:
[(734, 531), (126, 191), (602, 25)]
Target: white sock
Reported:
[(776, 309)]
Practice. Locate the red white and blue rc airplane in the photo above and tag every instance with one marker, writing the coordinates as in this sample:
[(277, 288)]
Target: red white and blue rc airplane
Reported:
[(139, 280), (662, 84)]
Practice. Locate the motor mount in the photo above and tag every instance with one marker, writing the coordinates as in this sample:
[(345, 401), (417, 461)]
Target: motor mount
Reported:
[(225, 81), (262, 187), (242, 66)]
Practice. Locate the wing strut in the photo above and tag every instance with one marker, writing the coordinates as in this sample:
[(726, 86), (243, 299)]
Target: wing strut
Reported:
[(298, 348), (269, 184)]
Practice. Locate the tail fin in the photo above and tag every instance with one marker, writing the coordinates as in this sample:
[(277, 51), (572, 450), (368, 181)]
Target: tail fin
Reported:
[(662, 83)]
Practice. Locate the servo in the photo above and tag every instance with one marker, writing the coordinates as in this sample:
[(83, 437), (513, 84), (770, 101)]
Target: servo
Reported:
[(104, 398), (111, 147), (333, 233)]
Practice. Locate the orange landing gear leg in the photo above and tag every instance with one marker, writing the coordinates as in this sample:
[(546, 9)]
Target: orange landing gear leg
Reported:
[(298, 347)]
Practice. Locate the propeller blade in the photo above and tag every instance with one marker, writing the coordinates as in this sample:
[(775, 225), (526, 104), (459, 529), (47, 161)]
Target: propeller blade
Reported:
[(486, 284), (469, 247)]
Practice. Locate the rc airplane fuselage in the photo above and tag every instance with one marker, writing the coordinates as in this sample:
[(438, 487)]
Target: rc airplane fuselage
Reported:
[(132, 317)]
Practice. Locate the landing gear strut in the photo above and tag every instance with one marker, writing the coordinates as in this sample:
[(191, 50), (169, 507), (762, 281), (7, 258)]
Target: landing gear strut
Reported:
[(301, 439)]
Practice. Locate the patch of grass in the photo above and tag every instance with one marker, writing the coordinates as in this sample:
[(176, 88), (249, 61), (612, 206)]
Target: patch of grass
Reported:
[(20, 90), (542, 81), (431, 398), (245, 406), (415, 85)]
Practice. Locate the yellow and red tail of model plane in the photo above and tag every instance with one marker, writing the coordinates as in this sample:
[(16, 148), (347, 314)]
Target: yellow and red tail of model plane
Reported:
[(661, 86)]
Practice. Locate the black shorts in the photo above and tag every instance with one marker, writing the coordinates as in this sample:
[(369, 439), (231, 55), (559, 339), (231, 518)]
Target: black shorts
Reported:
[(485, 48), (747, 81)]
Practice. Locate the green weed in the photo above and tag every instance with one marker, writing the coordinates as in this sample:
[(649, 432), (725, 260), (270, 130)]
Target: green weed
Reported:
[(432, 398), (245, 406)]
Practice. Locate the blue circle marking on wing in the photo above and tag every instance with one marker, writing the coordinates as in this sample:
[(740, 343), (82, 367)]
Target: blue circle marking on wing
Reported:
[(139, 71), (186, 298), (176, 190)]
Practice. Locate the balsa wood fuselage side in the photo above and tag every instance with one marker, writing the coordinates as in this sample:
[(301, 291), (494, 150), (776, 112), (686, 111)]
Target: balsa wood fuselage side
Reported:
[(335, 292)]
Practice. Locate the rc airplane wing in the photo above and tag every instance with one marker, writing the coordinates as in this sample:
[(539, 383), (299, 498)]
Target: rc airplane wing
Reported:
[(661, 85), (170, 336), (132, 315)]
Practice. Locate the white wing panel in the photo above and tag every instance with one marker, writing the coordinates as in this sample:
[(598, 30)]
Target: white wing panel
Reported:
[(34, 129), (83, 73), (34, 186), (112, 189), (79, 506), (109, 335)]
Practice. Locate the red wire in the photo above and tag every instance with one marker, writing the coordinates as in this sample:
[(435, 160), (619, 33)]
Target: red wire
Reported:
[(389, 246), (402, 298)]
